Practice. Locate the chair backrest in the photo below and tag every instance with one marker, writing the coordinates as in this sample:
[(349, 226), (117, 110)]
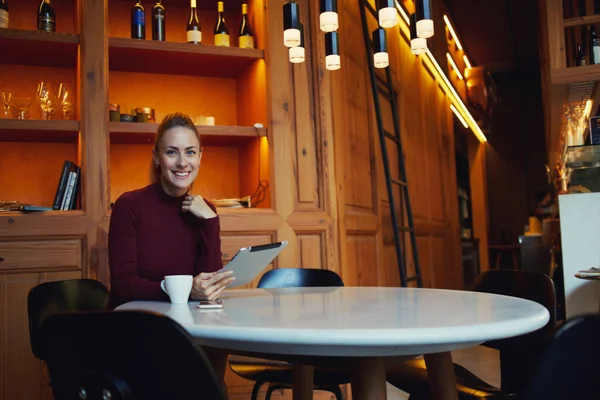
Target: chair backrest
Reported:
[(520, 355), (299, 277), (132, 354), (567, 369), (50, 298)]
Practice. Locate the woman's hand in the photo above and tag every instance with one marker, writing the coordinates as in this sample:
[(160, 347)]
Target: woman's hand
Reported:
[(210, 285), (195, 204)]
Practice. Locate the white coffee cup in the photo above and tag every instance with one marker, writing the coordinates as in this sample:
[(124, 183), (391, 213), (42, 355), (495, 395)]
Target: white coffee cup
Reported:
[(178, 287)]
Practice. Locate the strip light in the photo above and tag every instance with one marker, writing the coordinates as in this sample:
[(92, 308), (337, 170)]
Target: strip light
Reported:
[(454, 66), (467, 63), (435, 67), (451, 29), (460, 117)]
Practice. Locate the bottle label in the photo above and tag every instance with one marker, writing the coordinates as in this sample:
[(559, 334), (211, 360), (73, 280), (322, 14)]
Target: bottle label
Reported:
[(139, 18), (46, 23), (246, 42), (222, 39), (596, 50), (193, 3), (194, 36), (3, 19)]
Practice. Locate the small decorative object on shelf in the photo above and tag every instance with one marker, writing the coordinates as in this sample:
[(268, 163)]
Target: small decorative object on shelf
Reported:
[(159, 22), (194, 30), (138, 22), (3, 14), (246, 37), (579, 56), (221, 32), (46, 17)]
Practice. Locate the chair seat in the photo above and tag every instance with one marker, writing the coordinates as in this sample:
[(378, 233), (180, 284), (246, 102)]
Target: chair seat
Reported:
[(411, 377), (279, 372)]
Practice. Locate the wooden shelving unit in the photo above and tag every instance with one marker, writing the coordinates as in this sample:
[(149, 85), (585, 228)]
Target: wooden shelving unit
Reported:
[(48, 49), (16, 130)]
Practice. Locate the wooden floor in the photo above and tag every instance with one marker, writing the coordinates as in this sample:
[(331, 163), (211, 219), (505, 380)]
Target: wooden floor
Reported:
[(482, 361)]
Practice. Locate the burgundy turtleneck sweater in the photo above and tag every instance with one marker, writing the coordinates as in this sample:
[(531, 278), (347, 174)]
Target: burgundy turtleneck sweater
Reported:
[(150, 237)]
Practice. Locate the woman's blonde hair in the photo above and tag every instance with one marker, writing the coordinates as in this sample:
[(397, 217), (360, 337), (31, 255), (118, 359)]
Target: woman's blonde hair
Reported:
[(169, 121)]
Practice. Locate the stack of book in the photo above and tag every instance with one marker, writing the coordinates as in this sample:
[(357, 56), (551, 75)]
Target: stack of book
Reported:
[(68, 187)]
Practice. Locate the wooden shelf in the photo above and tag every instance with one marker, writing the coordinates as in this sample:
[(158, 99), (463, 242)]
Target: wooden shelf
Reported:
[(18, 130), (568, 75), (143, 133), (580, 21), (134, 55), (48, 49), (202, 5)]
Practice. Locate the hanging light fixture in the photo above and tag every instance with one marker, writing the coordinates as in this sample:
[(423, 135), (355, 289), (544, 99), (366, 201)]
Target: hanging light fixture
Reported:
[(381, 58), (332, 51), (328, 20), (291, 21), (297, 53), (424, 18), (388, 16), (418, 45)]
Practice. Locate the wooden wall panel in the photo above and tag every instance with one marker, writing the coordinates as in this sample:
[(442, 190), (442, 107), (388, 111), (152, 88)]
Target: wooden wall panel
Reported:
[(311, 248), (362, 250)]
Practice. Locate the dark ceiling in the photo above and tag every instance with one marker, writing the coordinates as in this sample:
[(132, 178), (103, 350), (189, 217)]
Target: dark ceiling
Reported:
[(499, 34)]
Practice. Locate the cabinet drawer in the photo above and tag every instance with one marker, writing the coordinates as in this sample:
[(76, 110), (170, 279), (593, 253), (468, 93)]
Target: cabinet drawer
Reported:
[(231, 244), (40, 254)]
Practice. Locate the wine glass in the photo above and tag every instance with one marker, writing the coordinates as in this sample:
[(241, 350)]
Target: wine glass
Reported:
[(65, 99), (46, 99), (6, 96), (22, 104)]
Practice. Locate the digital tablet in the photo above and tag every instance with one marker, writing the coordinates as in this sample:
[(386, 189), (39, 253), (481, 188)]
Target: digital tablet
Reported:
[(248, 262)]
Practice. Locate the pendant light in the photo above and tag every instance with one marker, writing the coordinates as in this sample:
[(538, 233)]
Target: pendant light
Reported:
[(297, 53), (328, 20), (418, 45), (424, 18), (381, 59), (291, 21), (388, 16), (332, 51)]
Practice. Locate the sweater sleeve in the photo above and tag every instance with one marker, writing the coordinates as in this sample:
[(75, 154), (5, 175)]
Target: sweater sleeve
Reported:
[(209, 246), (126, 284)]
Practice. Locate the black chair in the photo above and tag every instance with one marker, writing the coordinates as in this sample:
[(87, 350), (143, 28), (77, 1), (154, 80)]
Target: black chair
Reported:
[(567, 369), (51, 298), (519, 356), (279, 374), (125, 355)]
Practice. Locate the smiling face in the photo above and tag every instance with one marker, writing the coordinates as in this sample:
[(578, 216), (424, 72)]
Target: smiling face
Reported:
[(178, 156)]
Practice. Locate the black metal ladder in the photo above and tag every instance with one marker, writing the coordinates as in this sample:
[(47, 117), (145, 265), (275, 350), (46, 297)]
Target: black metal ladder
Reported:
[(385, 87)]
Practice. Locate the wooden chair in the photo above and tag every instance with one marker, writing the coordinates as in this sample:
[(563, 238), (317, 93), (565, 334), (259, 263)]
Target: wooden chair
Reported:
[(519, 356), (125, 355), (279, 374)]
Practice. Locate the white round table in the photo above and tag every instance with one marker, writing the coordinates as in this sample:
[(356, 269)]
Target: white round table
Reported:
[(368, 324)]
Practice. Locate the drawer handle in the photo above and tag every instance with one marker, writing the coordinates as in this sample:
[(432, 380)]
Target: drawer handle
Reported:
[(1, 258)]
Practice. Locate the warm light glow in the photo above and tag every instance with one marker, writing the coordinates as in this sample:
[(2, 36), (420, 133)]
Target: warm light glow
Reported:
[(296, 54), (328, 21), (381, 59), (291, 37), (447, 86), (332, 62), (402, 12), (449, 25), (425, 28), (466, 60), (388, 17), (454, 66), (460, 117), (418, 46)]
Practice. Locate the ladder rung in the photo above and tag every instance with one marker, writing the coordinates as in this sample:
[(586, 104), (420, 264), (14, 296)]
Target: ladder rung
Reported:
[(391, 136), (405, 229), (412, 278), (399, 183)]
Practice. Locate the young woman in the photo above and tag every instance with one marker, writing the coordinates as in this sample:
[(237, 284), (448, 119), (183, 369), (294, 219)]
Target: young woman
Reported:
[(163, 229)]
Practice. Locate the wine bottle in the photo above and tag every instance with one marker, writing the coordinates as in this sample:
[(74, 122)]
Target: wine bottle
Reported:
[(194, 30), (594, 46), (46, 18), (138, 22), (158, 22), (246, 38), (579, 56), (3, 14), (221, 31)]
